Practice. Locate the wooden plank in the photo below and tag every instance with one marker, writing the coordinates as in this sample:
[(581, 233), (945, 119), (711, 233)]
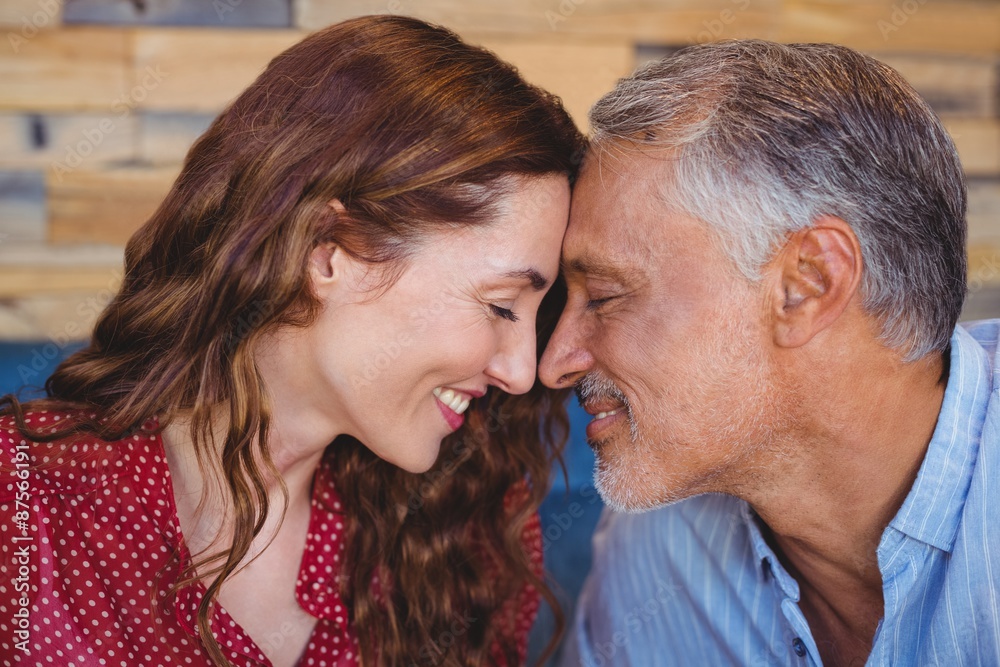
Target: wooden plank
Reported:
[(982, 304), (984, 212), (652, 21), (513, 16), (26, 281), (24, 18), (69, 69), (963, 26), (55, 292), (22, 206), (692, 24), (13, 326), (952, 85), (38, 140), (104, 206), (22, 221), (56, 321), (217, 13), (984, 244), (43, 255), (204, 70), (164, 138), (984, 266), (978, 143), (578, 71)]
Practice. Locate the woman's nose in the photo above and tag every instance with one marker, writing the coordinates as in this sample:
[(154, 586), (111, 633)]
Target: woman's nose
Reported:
[(512, 368)]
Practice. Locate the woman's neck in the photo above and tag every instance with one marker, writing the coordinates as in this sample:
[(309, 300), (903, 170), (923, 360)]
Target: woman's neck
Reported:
[(203, 502)]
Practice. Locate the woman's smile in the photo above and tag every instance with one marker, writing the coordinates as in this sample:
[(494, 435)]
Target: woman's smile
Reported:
[(453, 404)]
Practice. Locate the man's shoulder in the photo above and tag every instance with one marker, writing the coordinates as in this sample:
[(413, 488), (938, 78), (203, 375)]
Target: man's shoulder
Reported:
[(987, 334)]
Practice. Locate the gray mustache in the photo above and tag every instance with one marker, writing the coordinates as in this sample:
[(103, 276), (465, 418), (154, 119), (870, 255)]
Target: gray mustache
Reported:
[(592, 386)]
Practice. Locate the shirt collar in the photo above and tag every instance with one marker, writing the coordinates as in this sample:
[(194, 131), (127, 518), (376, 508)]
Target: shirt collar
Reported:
[(766, 561), (933, 509), (318, 587)]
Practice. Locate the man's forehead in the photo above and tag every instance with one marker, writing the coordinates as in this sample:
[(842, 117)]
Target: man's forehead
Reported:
[(612, 220)]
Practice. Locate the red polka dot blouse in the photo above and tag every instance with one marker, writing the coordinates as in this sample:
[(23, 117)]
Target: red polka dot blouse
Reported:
[(92, 545)]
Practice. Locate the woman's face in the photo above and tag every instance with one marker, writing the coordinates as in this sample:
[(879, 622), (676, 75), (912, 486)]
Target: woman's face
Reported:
[(397, 368)]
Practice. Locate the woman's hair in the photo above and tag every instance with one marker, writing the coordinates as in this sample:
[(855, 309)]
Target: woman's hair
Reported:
[(411, 130)]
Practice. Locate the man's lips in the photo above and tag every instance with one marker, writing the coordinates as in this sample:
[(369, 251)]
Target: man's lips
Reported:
[(596, 407), (606, 414)]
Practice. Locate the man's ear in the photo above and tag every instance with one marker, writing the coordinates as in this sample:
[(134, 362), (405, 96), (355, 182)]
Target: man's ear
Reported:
[(818, 272)]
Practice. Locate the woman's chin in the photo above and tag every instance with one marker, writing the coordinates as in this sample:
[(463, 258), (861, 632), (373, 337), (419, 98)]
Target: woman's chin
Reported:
[(414, 462)]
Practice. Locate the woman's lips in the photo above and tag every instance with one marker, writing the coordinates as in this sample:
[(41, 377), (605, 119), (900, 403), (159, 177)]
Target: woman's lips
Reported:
[(453, 402), (454, 419)]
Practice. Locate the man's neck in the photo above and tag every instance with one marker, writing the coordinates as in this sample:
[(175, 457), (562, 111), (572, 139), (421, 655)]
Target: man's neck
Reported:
[(861, 435)]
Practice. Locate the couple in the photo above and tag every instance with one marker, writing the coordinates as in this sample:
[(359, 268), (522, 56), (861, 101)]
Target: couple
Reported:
[(308, 428)]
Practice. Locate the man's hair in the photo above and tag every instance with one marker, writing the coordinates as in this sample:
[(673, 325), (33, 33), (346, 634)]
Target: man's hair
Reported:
[(765, 138)]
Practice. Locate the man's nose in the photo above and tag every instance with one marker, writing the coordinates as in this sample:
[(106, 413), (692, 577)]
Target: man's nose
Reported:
[(566, 358)]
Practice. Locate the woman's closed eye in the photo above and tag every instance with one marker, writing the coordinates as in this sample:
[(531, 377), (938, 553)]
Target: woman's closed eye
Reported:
[(505, 313)]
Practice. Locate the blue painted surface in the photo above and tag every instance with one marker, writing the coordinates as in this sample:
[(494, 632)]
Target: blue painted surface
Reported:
[(568, 521), (24, 367), (569, 514)]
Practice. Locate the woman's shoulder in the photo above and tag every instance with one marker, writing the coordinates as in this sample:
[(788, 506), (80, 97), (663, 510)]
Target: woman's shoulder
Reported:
[(72, 464)]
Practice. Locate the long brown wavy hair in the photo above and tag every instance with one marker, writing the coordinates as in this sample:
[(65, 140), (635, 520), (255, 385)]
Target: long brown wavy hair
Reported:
[(396, 119)]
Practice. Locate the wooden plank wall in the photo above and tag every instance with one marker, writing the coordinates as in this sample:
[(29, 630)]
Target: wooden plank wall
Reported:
[(100, 100)]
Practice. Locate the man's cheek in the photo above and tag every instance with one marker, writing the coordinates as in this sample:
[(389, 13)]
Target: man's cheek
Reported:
[(638, 342)]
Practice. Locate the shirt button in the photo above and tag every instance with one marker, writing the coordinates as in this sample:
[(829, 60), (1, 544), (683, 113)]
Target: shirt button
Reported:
[(799, 647)]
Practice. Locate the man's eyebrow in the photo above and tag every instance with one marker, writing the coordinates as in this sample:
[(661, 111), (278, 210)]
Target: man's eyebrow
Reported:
[(533, 276), (594, 267)]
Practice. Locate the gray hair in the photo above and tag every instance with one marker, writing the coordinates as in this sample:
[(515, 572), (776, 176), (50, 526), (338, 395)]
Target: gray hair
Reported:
[(766, 138)]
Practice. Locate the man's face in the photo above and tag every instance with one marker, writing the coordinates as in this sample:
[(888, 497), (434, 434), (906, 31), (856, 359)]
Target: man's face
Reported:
[(664, 340)]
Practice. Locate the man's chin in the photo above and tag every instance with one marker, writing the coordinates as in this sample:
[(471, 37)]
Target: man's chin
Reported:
[(625, 492), (598, 444)]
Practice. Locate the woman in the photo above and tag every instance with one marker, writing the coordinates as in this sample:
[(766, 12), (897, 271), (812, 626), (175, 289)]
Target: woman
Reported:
[(337, 296)]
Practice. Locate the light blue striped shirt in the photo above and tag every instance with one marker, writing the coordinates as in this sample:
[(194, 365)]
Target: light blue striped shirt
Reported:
[(696, 584)]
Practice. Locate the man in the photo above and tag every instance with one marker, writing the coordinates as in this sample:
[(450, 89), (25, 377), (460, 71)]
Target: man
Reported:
[(766, 263)]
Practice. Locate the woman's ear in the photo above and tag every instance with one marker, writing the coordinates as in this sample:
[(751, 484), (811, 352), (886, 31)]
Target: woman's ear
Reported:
[(337, 206), (325, 262), (819, 270)]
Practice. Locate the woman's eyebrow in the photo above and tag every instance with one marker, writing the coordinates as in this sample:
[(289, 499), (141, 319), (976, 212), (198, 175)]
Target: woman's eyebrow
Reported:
[(533, 276)]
